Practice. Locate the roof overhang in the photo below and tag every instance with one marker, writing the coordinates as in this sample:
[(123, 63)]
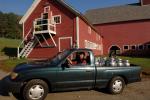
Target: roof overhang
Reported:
[(29, 11), (63, 3)]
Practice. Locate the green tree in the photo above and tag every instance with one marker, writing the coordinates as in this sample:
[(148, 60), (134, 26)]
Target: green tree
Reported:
[(9, 25)]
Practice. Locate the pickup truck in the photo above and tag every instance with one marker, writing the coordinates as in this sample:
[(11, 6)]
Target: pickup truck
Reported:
[(63, 72)]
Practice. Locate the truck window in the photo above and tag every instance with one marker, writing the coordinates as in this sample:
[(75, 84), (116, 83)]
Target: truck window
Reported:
[(80, 58)]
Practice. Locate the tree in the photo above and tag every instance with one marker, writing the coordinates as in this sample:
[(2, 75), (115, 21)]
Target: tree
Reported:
[(9, 25)]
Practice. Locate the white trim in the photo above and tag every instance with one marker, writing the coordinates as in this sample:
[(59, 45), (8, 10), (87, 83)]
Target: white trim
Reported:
[(102, 45), (53, 39), (77, 32), (61, 38), (46, 8), (126, 49), (89, 30), (23, 31), (29, 11), (141, 2), (97, 38), (112, 46), (57, 16)]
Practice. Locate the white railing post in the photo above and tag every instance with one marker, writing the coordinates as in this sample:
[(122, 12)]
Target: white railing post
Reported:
[(18, 51)]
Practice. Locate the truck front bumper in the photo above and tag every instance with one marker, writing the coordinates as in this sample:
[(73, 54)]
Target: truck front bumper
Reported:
[(10, 86)]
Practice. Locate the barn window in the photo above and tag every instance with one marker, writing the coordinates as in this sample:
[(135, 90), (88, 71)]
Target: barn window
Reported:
[(45, 16), (57, 19), (126, 47), (141, 47), (133, 47), (148, 46), (89, 30), (46, 9)]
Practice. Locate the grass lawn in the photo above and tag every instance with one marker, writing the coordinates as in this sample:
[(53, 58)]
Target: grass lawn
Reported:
[(11, 44), (8, 65), (8, 47), (8, 43), (143, 62)]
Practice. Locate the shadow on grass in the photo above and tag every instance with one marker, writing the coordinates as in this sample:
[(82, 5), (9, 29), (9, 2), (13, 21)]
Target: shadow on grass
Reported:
[(11, 52)]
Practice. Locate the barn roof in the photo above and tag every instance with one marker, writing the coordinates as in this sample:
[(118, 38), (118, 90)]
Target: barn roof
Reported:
[(63, 3), (118, 14)]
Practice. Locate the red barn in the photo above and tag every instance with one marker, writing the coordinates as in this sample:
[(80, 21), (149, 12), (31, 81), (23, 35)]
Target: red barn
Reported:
[(50, 26), (126, 28)]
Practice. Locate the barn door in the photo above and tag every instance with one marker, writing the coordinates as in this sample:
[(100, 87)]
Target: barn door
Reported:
[(65, 43)]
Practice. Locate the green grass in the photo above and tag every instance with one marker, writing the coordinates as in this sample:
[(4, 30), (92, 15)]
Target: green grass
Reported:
[(7, 48), (9, 43), (143, 62), (9, 64)]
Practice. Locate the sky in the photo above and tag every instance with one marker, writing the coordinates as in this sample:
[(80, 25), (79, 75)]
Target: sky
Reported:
[(21, 6)]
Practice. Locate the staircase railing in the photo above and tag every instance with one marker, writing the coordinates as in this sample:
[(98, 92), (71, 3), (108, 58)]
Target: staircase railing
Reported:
[(22, 43)]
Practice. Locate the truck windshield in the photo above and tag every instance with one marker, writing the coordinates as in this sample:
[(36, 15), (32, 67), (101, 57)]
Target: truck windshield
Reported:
[(57, 58)]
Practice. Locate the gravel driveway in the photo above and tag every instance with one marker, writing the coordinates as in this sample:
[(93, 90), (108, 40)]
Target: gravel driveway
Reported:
[(135, 91)]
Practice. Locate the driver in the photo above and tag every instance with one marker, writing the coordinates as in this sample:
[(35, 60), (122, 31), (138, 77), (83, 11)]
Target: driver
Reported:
[(80, 59)]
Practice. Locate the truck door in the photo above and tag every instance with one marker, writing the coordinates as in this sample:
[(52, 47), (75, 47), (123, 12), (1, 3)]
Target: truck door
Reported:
[(76, 75)]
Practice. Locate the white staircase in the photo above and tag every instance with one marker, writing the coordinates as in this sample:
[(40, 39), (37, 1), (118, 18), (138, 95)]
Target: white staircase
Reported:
[(40, 27), (27, 49)]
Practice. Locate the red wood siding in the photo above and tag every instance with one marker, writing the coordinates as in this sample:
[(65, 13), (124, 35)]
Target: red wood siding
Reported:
[(65, 44), (92, 37), (65, 29), (145, 2), (124, 33)]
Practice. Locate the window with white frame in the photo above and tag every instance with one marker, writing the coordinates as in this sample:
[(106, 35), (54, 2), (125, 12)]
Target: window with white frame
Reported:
[(46, 9), (126, 47), (89, 30), (141, 47), (133, 47), (148, 46), (45, 15), (57, 19)]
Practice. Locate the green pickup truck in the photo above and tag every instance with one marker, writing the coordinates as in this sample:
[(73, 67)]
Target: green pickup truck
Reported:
[(73, 69)]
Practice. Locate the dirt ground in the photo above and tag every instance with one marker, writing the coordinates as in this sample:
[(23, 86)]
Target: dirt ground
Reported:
[(134, 91)]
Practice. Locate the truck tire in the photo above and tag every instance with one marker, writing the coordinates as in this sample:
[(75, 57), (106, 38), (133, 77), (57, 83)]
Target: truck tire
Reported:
[(35, 90), (116, 85)]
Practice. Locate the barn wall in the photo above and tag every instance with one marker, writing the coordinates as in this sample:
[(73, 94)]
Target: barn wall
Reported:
[(65, 29), (124, 33), (92, 37), (146, 2)]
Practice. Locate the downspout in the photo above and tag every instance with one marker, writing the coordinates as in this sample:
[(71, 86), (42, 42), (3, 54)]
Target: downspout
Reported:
[(77, 32)]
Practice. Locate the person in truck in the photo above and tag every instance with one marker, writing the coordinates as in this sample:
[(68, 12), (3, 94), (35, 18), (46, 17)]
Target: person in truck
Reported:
[(80, 58)]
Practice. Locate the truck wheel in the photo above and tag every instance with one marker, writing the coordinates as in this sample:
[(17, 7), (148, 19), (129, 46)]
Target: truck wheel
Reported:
[(116, 85), (35, 90)]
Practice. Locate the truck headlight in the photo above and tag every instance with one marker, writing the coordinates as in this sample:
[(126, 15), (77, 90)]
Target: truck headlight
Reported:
[(13, 75)]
